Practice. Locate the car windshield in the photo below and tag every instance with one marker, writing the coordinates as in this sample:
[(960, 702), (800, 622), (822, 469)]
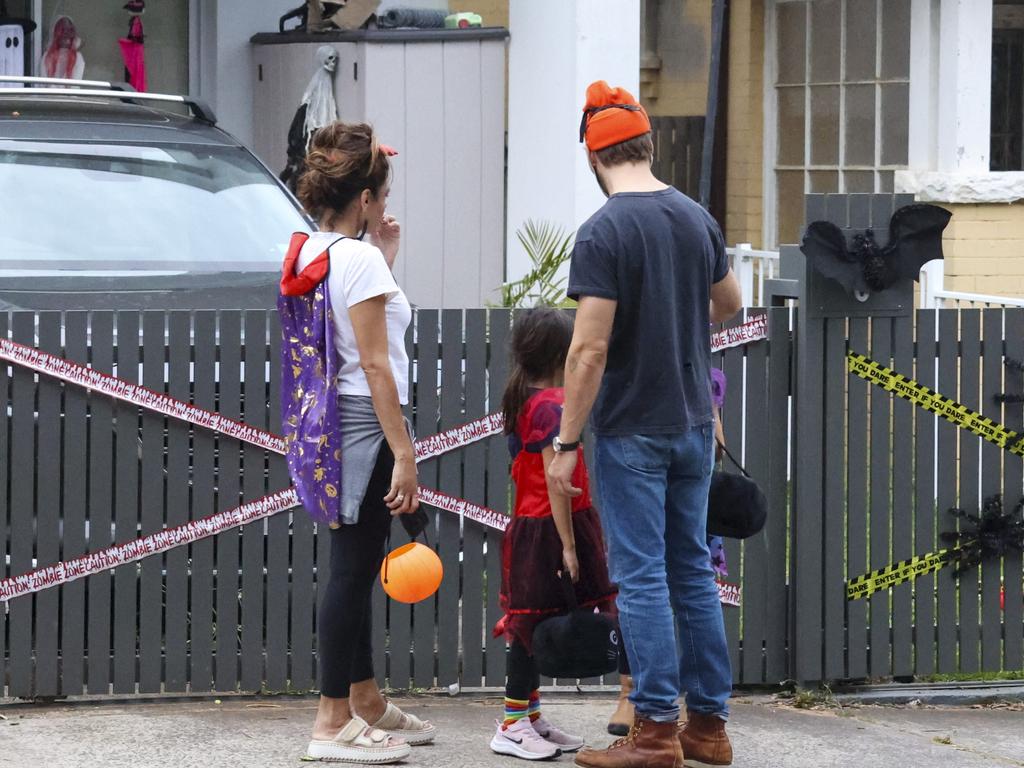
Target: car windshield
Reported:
[(129, 207)]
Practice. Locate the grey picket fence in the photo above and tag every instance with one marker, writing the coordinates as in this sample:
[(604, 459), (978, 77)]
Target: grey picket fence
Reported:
[(237, 611)]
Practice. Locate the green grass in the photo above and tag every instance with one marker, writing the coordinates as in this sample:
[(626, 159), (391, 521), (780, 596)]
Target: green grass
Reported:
[(980, 677)]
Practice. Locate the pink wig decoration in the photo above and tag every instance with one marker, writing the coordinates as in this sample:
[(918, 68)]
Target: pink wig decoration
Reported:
[(62, 52)]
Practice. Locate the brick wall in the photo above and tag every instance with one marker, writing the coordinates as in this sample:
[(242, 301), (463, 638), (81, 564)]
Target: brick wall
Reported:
[(745, 162), (983, 248)]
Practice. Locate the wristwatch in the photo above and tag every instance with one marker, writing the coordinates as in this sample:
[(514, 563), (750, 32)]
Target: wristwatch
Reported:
[(561, 447)]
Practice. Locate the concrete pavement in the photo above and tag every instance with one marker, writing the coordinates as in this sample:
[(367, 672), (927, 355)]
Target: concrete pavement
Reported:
[(272, 731)]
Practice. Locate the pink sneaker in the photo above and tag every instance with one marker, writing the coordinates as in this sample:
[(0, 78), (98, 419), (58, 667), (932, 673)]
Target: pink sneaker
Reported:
[(521, 740), (564, 741)]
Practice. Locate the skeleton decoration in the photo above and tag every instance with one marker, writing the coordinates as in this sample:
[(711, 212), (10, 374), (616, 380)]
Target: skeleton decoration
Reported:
[(317, 109), (13, 49), (62, 57)]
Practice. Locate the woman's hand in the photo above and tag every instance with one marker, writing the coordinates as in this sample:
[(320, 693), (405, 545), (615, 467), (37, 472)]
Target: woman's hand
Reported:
[(571, 564), (387, 237), (403, 497)]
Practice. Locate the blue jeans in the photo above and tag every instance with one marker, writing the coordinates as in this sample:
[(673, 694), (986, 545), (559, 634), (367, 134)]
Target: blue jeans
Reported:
[(653, 494)]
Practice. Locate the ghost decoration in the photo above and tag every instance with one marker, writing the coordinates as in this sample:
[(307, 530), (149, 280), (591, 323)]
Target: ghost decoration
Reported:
[(62, 57), (13, 45), (316, 110)]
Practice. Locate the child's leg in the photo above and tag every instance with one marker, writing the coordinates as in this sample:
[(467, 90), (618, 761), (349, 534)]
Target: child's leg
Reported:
[(521, 681), (534, 692)]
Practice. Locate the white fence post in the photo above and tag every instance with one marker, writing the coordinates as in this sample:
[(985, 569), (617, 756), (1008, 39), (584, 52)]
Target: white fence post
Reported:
[(743, 264), (932, 278)]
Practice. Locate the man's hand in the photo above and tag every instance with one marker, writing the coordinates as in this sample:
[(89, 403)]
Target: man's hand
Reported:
[(560, 474)]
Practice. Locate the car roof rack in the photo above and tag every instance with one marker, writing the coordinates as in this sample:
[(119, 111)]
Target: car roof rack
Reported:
[(100, 89)]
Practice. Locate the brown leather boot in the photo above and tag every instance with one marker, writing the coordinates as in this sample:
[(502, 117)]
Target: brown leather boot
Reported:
[(704, 741), (648, 745), (622, 719)]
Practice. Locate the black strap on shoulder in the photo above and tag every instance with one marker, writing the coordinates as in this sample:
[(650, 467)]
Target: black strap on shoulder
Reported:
[(732, 458)]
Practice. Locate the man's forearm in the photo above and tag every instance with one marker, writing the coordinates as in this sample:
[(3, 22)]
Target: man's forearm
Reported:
[(583, 371)]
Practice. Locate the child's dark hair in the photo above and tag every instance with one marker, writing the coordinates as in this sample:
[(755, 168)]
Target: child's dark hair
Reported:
[(540, 343)]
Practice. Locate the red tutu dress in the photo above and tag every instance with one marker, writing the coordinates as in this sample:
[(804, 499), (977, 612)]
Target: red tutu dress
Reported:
[(532, 549)]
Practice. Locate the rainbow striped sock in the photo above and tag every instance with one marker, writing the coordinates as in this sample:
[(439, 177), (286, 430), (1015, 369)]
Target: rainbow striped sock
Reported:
[(515, 710), (534, 709)]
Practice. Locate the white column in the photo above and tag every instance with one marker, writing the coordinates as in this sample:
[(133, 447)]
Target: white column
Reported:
[(556, 50), (950, 85)]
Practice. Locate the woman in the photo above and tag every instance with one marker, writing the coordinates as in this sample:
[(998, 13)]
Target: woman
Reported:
[(357, 349)]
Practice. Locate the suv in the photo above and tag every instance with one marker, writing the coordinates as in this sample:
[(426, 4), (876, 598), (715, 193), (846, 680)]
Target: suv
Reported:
[(113, 199)]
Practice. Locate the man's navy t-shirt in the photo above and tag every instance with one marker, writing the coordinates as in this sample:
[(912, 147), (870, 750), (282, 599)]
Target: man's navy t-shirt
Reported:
[(656, 254)]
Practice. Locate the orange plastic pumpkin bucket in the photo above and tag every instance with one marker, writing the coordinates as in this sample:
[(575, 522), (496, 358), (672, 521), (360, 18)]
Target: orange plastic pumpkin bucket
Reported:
[(411, 573)]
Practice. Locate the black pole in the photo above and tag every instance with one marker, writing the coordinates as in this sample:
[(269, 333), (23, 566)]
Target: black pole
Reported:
[(711, 113)]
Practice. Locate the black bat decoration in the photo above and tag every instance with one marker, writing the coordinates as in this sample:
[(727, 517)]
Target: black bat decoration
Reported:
[(915, 237), (994, 533)]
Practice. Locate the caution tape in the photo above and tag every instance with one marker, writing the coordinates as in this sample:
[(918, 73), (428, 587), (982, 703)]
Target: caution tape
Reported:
[(154, 544), (897, 573), (754, 329), (728, 594), (933, 402), (126, 391)]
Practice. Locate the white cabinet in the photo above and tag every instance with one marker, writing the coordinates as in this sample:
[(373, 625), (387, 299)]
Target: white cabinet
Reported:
[(438, 97)]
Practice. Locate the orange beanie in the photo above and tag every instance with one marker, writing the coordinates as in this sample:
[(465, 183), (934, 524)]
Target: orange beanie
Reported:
[(611, 116)]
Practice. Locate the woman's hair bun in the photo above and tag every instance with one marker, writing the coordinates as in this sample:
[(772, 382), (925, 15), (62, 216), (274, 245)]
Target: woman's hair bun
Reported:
[(343, 160)]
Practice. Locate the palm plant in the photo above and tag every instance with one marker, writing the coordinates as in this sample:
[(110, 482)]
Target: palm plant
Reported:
[(549, 246)]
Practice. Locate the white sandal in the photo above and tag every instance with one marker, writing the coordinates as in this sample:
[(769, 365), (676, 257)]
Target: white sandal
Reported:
[(408, 727), (357, 742)]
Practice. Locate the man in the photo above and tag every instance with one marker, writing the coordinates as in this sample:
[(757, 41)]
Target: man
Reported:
[(650, 273)]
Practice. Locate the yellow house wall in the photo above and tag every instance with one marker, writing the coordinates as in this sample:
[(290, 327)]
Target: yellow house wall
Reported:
[(745, 160), (983, 247), (680, 85)]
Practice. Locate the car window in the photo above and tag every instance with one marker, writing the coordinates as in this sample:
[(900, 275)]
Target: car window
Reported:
[(99, 206)]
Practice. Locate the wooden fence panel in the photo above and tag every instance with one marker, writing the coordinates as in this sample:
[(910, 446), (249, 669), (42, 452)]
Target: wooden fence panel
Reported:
[(991, 618), (179, 376), (75, 444), (879, 504), (968, 583), (101, 499), (229, 471), (858, 392), (1013, 490), (474, 463), (151, 582), (902, 501), (126, 507), (237, 611), (497, 491), (450, 471), (834, 507), (423, 614), (47, 509), (924, 508), (754, 574), (948, 434), (5, 510), (202, 638), (776, 533)]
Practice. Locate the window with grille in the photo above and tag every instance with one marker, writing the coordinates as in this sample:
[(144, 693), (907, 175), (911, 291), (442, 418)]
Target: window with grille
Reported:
[(842, 100)]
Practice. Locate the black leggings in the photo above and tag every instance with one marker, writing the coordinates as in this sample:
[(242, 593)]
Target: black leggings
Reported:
[(346, 620), (521, 671)]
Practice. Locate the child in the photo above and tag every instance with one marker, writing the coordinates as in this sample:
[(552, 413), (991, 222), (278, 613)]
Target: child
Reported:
[(549, 534)]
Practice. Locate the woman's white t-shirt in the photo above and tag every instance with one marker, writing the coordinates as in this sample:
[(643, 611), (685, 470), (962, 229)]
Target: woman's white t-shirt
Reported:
[(359, 272)]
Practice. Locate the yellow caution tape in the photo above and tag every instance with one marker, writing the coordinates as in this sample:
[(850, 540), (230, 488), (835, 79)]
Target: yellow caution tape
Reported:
[(932, 401), (897, 573)]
